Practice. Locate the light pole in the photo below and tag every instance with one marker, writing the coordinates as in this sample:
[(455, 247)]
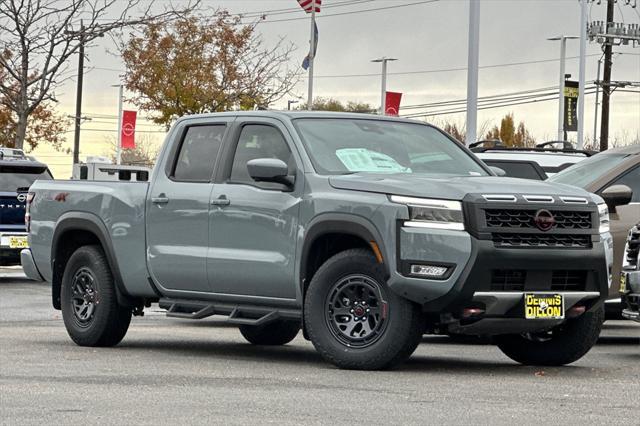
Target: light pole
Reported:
[(383, 90), (119, 138), (563, 49), (581, 71), (289, 104), (472, 71)]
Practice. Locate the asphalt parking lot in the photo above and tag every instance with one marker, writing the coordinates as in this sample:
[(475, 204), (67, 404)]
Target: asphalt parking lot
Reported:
[(182, 372)]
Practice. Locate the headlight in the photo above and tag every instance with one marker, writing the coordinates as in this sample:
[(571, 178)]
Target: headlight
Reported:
[(603, 212), (430, 213)]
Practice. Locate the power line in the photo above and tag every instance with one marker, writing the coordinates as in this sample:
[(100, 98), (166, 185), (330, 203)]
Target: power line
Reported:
[(329, 15), (298, 9), (534, 99), (437, 70)]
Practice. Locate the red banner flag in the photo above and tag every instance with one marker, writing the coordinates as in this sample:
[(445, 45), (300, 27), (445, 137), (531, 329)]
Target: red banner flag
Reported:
[(308, 5), (392, 103), (128, 140)]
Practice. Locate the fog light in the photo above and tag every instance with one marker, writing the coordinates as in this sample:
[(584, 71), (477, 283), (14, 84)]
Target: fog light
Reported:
[(429, 270)]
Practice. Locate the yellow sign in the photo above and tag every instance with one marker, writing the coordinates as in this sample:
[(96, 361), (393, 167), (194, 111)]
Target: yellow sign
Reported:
[(18, 242), (543, 306), (570, 92), (623, 282)]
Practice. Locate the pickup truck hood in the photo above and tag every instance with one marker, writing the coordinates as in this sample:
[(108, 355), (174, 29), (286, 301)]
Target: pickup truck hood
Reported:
[(451, 188)]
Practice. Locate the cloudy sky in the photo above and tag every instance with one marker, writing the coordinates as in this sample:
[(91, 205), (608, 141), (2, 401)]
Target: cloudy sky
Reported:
[(426, 38)]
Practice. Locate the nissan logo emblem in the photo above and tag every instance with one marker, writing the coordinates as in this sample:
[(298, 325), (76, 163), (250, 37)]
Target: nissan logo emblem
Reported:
[(22, 197), (544, 220)]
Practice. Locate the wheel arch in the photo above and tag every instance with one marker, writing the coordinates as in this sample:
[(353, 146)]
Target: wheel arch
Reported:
[(72, 231), (351, 230)]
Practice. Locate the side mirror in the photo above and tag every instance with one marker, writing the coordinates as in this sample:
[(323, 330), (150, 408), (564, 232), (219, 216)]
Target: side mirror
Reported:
[(498, 171), (616, 195), (269, 170)]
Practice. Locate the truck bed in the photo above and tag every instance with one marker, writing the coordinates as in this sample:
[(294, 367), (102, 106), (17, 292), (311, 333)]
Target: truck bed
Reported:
[(118, 206)]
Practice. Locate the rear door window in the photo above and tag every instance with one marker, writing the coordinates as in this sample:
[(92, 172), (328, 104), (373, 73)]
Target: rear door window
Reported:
[(198, 153), (517, 169)]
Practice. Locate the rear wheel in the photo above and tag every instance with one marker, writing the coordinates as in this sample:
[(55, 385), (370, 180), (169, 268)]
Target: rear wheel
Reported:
[(274, 333), (561, 345), (90, 309), (354, 320)]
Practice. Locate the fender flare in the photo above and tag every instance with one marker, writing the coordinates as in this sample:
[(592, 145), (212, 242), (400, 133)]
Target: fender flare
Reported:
[(342, 223), (84, 221)]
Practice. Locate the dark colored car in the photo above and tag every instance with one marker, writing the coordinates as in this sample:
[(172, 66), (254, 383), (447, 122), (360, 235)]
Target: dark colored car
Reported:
[(630, 278), (609, 171), (17, 173)]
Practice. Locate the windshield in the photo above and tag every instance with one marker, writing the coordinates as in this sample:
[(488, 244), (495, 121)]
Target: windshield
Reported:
[(344, 146), (583, 173), (13, 178)]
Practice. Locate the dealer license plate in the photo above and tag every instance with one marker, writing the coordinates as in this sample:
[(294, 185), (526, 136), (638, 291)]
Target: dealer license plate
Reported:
[(543, 306), (623, 282), (18, 242)]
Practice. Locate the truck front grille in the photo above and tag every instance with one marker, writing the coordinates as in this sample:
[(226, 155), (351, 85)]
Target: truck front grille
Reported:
[(516, 280), (567, 280), (515, 218), (508, 279), (632, 249), (541, 240)]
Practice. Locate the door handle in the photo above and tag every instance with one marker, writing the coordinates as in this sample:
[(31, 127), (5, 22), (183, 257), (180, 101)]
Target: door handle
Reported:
[(159, 200), (221, 201)]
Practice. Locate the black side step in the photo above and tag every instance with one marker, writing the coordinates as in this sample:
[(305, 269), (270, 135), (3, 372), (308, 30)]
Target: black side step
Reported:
[(238, 314)]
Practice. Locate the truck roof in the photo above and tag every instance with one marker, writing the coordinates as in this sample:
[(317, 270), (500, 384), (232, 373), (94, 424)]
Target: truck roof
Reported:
[(301, 114)]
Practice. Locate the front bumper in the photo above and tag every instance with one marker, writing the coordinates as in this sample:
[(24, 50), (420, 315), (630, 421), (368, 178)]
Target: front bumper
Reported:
[(503, 313)]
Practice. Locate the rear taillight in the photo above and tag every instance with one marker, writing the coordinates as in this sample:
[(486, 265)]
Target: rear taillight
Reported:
[(27, 214)]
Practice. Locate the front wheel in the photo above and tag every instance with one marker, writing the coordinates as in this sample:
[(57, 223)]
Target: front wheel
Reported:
[(561, 345), (90, 308), (354, 320)]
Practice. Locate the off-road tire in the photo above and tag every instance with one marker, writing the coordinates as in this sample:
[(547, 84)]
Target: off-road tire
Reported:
[(109, 322), (568, 343), (397, 340), (272, 334)]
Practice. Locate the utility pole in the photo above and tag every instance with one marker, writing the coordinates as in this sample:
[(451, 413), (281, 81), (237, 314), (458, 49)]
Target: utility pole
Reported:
[(606, 81), (581, 72), (383, 89), (563, 54), (472, 71), (595, 107), (119, 138), (76, 134)]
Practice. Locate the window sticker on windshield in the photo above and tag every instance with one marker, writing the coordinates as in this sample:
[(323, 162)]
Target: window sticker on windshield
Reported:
[(364, 160)]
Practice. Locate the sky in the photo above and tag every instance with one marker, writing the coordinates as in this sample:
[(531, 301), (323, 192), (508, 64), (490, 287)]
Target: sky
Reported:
[(423, 37)]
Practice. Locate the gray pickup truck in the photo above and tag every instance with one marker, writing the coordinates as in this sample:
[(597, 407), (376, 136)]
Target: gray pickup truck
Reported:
[(363, 231)]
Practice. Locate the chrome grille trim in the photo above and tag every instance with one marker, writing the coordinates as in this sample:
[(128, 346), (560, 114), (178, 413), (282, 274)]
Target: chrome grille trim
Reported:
[(574, 200), (505, 198), (539, 198)]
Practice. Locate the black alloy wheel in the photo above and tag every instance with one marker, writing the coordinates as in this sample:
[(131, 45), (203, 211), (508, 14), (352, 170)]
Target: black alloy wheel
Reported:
[(356, 310)]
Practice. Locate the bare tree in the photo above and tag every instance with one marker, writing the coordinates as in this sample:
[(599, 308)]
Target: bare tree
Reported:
[(144, 154), (37, 37)]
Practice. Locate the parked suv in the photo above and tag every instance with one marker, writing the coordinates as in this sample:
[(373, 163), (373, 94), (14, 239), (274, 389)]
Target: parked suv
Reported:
[(616, 172), (17, 173), (630, 278), (362, 230), (536, 163)]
